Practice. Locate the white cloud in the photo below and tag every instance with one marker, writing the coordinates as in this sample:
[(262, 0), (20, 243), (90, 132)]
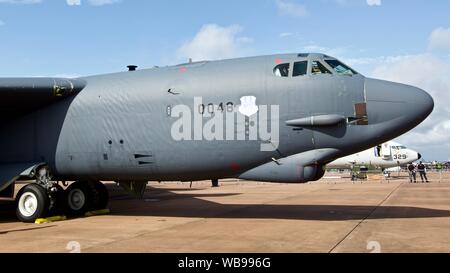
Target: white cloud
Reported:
[(286, 34), (68, 76), (374, 2), (289, 8), (432, 74), (73, 2), (20, 1), (214, 42), (380, 60), (341, 2), (102, 2), (69, 2), (426, 71), (314, 48), (439, 39), (91, 2)]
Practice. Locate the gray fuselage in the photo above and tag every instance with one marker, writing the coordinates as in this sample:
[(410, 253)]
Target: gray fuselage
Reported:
[(119, 126)]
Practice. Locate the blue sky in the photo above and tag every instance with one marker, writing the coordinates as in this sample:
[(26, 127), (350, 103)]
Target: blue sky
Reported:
[(376, 37)]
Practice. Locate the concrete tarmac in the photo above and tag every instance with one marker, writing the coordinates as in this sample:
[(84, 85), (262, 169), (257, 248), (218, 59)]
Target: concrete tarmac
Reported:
[(332, 215)]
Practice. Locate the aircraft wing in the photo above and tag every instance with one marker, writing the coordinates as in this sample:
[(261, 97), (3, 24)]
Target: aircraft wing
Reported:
[(10, 172), (19, 96)]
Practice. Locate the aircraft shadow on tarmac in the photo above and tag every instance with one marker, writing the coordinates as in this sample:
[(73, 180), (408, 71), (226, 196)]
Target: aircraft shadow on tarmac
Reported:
[(7, 211), (166, 203)]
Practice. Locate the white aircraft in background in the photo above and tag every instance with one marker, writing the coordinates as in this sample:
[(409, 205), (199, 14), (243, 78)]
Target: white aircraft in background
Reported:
[(386, 155)]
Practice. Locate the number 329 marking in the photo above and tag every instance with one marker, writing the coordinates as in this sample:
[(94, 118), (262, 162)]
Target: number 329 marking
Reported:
[(399, 157)]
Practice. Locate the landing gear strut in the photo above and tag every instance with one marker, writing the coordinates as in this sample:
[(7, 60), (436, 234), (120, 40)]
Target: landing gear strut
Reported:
[(38, 199), (46, 198), (215, 183)]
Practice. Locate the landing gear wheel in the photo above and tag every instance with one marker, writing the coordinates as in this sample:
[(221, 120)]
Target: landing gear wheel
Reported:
[(32, 202), (79, 199), (101, 196)]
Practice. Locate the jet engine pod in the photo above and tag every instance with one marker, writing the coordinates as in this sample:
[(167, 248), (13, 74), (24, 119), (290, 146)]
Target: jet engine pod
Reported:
[(285, 173), (300, 168), (314, 173)]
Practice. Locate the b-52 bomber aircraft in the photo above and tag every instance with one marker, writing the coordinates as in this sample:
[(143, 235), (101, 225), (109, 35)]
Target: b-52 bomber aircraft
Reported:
[(193, 121)]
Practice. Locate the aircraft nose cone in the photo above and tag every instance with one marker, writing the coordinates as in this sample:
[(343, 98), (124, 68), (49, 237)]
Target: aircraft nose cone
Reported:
[(419, 156), (422, 99), (387, 101)]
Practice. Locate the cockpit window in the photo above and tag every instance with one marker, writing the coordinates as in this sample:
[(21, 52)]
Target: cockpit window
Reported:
[(341, 68), (318, 68), (300, 69), (282, 70)]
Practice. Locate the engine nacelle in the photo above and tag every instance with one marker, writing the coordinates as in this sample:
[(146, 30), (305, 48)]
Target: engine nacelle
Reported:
[(299, 168), (285, 173)]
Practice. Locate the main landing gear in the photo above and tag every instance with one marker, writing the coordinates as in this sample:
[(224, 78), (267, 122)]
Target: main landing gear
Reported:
[(215, 183), (81, 197), (46, 198)]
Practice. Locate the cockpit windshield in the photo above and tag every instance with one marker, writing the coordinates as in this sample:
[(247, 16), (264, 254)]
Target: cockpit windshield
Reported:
[(282, 70), (318, 68), (313, 64), (340, 68)]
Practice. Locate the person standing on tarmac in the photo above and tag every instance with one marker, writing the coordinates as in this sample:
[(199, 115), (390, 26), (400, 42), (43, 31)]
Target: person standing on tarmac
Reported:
[(423, 172), (412, 173)]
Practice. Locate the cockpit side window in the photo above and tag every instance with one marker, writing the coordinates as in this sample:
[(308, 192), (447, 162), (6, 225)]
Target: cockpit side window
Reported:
[(378, 151), (282, 70), (300, 68), (318, 68), (341, 68)]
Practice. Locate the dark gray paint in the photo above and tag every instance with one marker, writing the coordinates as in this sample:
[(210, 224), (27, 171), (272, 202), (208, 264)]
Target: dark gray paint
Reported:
[(72, 135)]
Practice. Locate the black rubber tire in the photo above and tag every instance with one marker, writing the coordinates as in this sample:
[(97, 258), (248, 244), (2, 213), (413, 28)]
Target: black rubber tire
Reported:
[(43, 202), (101, 199), (80, 209)]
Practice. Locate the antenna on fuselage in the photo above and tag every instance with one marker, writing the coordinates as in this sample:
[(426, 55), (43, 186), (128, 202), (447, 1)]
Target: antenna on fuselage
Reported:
[(132, 67)]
